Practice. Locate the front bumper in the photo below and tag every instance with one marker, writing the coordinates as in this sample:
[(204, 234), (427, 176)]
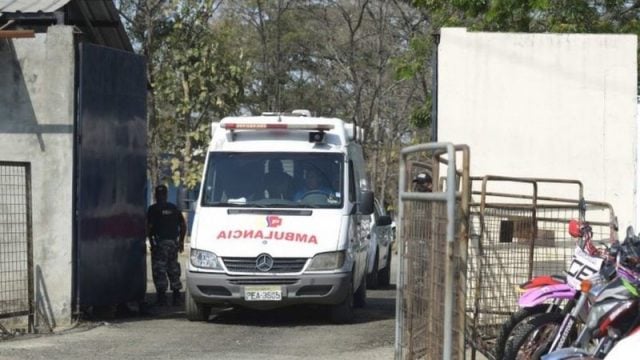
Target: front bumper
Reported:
[(223, 289)]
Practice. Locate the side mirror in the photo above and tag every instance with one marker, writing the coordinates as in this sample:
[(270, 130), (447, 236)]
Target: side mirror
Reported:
[(366, 203), (384, 220)]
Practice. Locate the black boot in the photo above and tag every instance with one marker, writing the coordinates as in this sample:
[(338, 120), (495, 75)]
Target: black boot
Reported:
[(177, 300), (161, 299)]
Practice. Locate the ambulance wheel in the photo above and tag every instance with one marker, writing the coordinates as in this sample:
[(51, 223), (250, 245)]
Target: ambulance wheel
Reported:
[(196, 311), (384, 277), (342, 313), (360, 297), (372, 278)]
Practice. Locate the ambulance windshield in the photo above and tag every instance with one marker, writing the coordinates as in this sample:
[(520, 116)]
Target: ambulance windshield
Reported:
[(283, 180)]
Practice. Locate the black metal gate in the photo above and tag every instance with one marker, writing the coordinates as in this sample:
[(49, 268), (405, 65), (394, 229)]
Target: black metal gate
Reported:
[(16, 257), (110, 262)]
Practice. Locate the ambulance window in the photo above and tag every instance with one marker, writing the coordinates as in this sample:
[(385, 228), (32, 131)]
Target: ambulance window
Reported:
[(352, 183), (274, 179)]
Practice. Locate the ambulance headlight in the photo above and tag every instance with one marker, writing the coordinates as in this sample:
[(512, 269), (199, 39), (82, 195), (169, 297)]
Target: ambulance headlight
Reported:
[(327, 261), (205, 260)]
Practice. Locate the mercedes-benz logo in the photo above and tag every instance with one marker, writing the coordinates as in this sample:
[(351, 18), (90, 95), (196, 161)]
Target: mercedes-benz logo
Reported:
[(264, 262)]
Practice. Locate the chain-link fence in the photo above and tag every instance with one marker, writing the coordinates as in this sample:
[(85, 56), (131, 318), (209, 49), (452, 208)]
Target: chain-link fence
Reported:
[(432, 252), (16, 264)]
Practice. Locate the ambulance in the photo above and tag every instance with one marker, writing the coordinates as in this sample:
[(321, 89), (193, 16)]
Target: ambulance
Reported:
[(282, 218)]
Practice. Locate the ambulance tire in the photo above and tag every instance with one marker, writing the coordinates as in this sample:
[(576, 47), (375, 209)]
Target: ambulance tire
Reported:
[(360, 297), (384, 277), (194, 310), (372, 278), (342, 313)]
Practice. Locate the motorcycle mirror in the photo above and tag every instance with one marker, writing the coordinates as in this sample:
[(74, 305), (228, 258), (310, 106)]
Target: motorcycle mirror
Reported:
[(630, 232)]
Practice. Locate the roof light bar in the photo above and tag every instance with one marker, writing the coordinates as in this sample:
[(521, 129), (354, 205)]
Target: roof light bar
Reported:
[(257, 126)]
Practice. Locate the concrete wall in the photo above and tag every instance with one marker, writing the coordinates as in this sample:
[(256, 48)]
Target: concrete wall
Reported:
[(36, 126), (545, 105)]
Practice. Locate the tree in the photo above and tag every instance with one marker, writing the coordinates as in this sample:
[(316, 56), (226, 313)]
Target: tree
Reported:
[(196, 76), (146, 23), (335, 58), (200, 79)]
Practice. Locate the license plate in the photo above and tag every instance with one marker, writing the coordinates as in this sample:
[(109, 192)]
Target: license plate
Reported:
[(262, 293)]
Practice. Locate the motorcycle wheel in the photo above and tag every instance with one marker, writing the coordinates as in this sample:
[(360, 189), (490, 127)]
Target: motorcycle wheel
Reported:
[(533, 337), (506, 331)]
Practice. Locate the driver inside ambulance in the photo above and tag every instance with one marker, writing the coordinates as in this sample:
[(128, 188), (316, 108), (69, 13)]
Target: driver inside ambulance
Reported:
[(313, 185)]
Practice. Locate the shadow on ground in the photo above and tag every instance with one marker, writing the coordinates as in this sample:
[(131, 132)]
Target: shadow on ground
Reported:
[(380, 306)]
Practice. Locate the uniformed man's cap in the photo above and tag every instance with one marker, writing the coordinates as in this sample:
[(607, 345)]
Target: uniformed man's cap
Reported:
[(161, 189), (422, 178)]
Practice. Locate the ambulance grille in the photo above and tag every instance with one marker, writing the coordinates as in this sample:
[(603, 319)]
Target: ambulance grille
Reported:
[(269, 281), (248, 265)]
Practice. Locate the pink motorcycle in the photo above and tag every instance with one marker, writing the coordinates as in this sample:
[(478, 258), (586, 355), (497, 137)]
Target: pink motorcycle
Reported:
[(548, 299)]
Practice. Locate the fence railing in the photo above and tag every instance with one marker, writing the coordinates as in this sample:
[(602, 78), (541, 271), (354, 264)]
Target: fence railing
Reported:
[(16, 261), (432, 248), (516, 234)]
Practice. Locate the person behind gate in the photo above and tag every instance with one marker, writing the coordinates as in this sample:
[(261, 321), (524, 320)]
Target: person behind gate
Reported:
[(423, 183), (166, 229)]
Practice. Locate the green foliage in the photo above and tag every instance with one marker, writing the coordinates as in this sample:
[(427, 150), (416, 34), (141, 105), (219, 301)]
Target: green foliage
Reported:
[(588, 16), (412, 62), (196, 73), (199, 79), (421, 116)]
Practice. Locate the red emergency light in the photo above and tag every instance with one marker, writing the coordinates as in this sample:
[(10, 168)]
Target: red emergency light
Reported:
[(275, 126)]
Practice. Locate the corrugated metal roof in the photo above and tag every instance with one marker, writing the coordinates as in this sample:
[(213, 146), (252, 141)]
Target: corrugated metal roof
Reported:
[(98, 20), (31, 5), (105, 27)]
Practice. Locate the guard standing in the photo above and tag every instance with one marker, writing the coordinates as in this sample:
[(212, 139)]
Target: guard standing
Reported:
[(166, 230)]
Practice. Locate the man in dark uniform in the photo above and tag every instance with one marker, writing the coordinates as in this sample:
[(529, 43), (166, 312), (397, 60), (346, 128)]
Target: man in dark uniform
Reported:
[(166, 230)]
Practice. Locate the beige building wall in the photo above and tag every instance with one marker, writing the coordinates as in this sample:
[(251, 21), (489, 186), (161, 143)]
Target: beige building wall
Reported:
[(545, 105), (36, 126)]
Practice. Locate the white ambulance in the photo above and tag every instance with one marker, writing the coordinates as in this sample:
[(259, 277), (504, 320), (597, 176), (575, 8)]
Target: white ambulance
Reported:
[(283, 217)]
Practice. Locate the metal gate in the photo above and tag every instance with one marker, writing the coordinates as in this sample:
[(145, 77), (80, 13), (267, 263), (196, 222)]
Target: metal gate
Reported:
[(463, 249), (16, 259), (110, 263), (432, 247)]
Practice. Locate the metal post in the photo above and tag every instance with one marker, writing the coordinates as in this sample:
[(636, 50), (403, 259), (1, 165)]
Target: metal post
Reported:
[(449, 295), (402, 178)]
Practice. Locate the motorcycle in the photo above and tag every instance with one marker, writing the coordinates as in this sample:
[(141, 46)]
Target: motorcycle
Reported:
[(540, 295), (546, 300), (598, 295), (546, 332), (612, 316)]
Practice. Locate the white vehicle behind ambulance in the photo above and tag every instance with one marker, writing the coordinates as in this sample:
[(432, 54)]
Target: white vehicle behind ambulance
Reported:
[(282, 217)]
